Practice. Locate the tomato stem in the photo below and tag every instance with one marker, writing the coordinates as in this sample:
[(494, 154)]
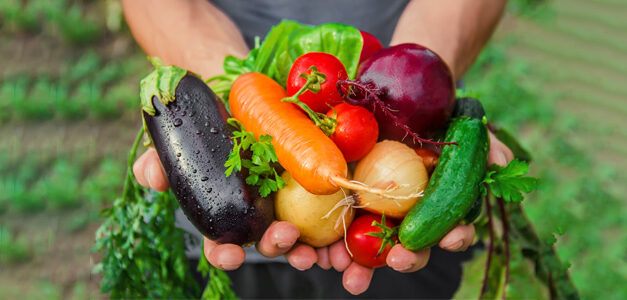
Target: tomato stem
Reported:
[(386, 235), (314, 79)]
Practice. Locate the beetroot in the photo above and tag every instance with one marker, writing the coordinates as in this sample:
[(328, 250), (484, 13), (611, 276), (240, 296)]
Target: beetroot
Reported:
[(410, 89)]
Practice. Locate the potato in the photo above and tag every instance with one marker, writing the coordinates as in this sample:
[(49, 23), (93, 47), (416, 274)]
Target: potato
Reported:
[(294, 204)]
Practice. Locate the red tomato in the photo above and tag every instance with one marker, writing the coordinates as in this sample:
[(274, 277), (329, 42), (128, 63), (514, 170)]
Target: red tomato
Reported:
[(325, 63), (370, 47), (429, 158), (356, 131), (365, 247)]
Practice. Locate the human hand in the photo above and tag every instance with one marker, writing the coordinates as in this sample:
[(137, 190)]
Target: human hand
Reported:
[(356, 278), (277, 240)]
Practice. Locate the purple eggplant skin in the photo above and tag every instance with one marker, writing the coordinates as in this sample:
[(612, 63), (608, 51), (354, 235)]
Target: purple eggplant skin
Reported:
[(193, 141)]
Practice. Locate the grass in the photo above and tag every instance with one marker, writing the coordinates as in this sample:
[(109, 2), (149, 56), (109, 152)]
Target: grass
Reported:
[(12, 249), (37, 184)]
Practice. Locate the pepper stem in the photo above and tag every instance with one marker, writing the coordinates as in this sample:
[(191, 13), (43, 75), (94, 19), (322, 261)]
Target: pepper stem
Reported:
[(314, 79)]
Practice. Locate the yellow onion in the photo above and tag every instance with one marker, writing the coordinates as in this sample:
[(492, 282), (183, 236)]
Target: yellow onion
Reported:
[(397, 168)]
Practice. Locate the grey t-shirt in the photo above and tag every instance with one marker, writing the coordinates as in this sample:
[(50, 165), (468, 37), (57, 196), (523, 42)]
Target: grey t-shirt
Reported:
[(256, 17)]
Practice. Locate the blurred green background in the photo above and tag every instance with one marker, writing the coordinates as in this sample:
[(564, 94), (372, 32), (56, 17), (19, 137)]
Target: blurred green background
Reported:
[(555, 73)]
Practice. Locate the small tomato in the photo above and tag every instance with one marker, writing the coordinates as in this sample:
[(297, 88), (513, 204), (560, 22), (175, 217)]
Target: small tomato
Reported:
[(325, 69), (356, 131), (370, 238)]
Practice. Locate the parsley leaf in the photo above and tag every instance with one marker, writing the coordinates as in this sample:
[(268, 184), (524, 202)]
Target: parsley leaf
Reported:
[(508, 182), (260, 170)]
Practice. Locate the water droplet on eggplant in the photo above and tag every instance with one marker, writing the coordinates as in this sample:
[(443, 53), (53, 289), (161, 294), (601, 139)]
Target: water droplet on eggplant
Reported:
[(178, 122)]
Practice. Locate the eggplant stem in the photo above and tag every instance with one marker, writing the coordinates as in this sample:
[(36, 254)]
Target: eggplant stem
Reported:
[(379, 103)]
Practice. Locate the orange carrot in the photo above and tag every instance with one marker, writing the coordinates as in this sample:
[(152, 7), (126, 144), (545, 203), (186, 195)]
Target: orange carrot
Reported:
[(312, 159), (302, 148)]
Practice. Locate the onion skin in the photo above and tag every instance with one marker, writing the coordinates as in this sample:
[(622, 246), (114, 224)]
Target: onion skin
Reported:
[(391, 164)]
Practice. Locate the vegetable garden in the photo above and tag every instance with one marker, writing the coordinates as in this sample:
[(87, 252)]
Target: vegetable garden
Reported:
[(68, 106)]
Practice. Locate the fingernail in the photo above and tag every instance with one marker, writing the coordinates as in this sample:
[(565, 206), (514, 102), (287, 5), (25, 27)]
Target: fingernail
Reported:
[(300, 269), (501, 159), (284, 245), (455, 246), (227, 267), (147, 172), (404, 269)]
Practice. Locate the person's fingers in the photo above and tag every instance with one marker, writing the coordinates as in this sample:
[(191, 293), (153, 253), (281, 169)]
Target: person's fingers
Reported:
[(356, 278), (278, 239), (459, 239), (224, 256), (149, 172), (139, 166), (208, 246), (153, 172), (323, 258), (499, 153), (338, 256), (405, 261), (302, 257)]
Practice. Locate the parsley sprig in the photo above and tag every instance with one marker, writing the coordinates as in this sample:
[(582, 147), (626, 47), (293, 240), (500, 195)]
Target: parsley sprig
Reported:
[(260, 170), (508, 182)]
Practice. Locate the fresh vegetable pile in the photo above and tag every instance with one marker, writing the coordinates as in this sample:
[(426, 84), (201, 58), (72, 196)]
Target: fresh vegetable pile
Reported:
[(303, 111)]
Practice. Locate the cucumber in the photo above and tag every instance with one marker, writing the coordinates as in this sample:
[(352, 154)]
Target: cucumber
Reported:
[(468, 107), (453, 187), (474, 212)]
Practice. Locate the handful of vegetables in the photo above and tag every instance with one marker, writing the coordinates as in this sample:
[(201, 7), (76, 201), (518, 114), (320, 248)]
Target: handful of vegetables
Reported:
[(291, 117)]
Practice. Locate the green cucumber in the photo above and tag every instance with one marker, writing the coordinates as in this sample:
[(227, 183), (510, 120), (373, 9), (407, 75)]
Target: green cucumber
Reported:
[(474, 212), (453, 187), (470, 107)]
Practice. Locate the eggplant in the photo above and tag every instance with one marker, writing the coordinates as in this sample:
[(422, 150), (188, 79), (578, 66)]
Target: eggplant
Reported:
[(187, 125)]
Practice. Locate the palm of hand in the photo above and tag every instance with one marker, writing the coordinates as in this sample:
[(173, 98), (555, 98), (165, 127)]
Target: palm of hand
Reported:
[(281, 237)]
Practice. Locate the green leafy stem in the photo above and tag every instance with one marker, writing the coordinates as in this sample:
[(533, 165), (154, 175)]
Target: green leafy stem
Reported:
[(260, 166)]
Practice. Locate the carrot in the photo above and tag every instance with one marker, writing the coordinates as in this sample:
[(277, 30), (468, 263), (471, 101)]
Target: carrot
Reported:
[(312, 159)]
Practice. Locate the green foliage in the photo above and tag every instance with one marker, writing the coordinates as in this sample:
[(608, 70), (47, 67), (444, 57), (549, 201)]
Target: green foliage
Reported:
[(283, 44), (537, 9), (12, 249), (74, 27), (219, 284), (103, 184), (288, 40), (60, 188), (87, 88), (508, 182), (144, 253), (573, 195), (16, 186), (261, 171), (23, 18)]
